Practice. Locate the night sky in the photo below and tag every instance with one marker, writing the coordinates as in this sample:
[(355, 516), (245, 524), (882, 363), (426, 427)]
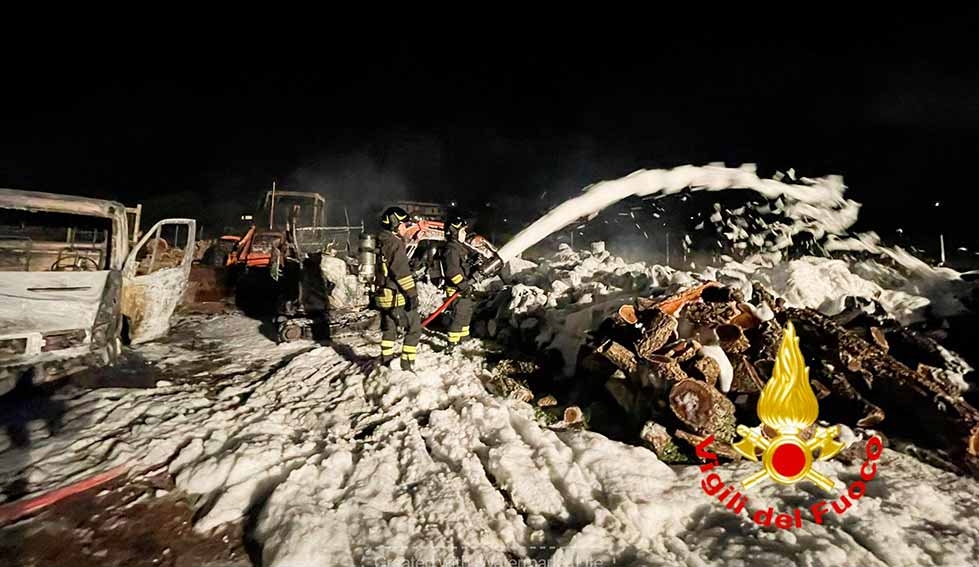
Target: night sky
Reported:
[(500, 119)]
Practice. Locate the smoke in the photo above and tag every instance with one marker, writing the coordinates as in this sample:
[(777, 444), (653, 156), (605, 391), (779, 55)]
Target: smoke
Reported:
[(355, 183)]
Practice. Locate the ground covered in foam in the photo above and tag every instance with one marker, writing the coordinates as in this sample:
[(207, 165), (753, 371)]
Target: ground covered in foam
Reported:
[(325, 460)]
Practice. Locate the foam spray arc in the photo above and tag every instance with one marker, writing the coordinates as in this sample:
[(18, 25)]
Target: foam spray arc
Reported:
[(818, 204)]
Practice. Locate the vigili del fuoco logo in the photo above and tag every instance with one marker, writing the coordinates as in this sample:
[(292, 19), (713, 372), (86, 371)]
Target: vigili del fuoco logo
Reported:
[(787, 444)]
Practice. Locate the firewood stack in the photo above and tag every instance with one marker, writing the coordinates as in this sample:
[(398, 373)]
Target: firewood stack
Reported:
[(693, 363)]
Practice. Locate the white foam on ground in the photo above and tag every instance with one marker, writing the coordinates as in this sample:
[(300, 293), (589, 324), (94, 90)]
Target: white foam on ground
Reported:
[(339, 467)]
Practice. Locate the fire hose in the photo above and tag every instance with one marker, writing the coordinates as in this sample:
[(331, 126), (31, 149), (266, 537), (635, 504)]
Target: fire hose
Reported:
[(441, 308), (486, 271)]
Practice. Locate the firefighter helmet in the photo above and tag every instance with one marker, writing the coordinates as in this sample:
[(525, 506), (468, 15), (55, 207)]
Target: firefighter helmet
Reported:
[(454, 224), (392, 217)]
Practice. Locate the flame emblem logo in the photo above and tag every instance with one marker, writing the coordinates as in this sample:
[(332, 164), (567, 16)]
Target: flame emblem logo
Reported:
[(788, 407)]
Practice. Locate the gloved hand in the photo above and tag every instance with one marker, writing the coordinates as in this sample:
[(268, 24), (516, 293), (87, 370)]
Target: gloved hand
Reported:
[(411, 302), (464, 287)]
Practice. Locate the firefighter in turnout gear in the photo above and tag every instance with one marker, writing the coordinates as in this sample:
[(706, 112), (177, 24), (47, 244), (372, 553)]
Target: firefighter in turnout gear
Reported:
[(395, 295), (458, 277)]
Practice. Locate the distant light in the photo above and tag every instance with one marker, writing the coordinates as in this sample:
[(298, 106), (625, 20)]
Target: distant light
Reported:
[(452, 204), (504, 219), (900, 231), (937, 203), (963, 249), (246, 217)]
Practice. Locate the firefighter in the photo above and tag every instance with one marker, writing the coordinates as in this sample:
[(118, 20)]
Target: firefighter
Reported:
[(395, 294), (458, 277)]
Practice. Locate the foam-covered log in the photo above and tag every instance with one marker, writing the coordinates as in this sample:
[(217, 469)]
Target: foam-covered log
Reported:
[(704, 409), (720, 448), (573, 415), (657, 438)]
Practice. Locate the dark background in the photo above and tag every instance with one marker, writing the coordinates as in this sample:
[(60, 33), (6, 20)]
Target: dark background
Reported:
[(515, 120)]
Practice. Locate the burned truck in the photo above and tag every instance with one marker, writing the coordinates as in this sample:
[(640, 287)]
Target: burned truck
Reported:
[(73, 289)]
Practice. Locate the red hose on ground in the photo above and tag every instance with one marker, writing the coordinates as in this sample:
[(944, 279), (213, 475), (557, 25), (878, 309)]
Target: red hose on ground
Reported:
[(448, 302), (13, 511)]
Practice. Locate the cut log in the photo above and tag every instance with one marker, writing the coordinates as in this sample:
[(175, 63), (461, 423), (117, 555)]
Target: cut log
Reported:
[(877, 334), (664, 371), (705, 369), (681, 350), (704, 409), (620, 356), (746, 378), (618, 327), (720, 448), (913, 348), (711, 314), (657, 438), (659, 330), (573, 415), (733, 339), (940, 414), (746, 318), (673, 304), (655, 435), (626, 315), (547, 401)]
